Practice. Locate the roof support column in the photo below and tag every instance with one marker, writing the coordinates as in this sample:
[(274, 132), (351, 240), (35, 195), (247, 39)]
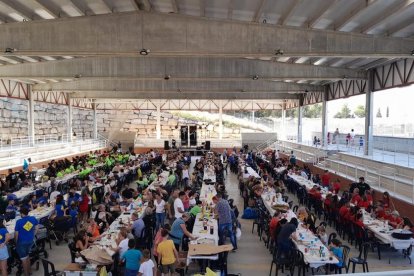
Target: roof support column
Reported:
[(158, 126), (325, 118), (300, 115), (283, 128), (220, 120), (95, 123), (368, 145), (30, 118), (70, 113)]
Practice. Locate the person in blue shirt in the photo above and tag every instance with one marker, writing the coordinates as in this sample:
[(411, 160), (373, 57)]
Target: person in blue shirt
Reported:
[(11, 210), (73, 197), (4, 254), (335, 248), (73, 213), (11, 196), (43, 199), (24, 234), (132, 258), (60, 207)]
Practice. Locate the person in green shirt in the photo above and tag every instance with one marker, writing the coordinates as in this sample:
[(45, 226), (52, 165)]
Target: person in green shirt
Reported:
[(171, 178), (196, 208), (143, 181), (153, 176)]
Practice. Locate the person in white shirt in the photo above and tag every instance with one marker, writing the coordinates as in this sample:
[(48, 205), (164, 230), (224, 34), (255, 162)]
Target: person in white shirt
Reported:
[(53, 196), (352, 137), (277, 154), (246, 174), (122, 241), (147, 267), (179, 206), (186, 176), (159, 204)]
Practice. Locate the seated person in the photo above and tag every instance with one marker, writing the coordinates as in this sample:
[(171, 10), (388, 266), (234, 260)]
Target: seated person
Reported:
[(336, 186), (73, 197), (81, 240), (336, 251), (321, 233), (395, 219), (363, 203), (355, 197), (273, 225), (43, 200), (60, 207), (286, 234), (11, 210), (379, 212), (32, 202), (406, 225), (92, 230)]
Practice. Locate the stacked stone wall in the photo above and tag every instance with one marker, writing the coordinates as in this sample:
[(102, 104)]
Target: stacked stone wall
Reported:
[(82, 122), (50, 118), (13, 118)]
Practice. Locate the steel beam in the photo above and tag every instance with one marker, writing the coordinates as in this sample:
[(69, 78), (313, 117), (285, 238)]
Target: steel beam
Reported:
[(369, 116), (30, 119), (285, 17), (51, 11), (324, 8), (259, 11), (354, 13), (106, 35), (160, 67)]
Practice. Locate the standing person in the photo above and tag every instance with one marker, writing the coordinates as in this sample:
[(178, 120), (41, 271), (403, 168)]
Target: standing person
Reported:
[(159, 204), (352, 137), (348, 139), (186, 176), (178, 205), (4, 254), (292, 159), (179, 229), (132, 258), (84, 205), (328, 138), (24, 233), (167, 254), (326, 178), (361, 143), (225, 222), (147, 267)]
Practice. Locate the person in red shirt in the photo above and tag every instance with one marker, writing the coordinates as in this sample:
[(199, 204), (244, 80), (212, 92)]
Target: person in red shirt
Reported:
[(379, 212), (355, 197), (395, 219), (326, 178), (363, 202), (273, 225), (336, 186), (369, 197), (386, 200), (344, 210), (359, 220)]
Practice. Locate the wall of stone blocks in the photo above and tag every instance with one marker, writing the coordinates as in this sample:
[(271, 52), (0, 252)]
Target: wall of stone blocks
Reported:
[(50, 118), (13, 118), (82, 122)]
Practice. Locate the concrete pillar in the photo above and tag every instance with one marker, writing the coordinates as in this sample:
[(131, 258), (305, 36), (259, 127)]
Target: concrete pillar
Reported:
[(283, 128), (300, 114), (369, 115), (220, 120), (324, 118), (95, 123), (70, 111), (30, 118), (158, 127)]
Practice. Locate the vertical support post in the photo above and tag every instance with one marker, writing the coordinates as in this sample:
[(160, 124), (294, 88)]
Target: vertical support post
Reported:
[(158, 127), (283, 128), (70, 130), (30, 117), (95, 122), (220, 120), (368, 145), (300, 115), (253, 117), (325, 117)]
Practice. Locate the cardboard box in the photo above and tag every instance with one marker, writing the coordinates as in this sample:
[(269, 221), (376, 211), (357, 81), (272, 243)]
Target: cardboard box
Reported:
[(207, 249)]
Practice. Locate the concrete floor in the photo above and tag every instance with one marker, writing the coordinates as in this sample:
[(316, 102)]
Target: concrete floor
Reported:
[(252, 257)]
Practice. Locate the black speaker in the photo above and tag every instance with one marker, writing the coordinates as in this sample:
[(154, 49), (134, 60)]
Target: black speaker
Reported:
[(207, 145), (166, 145)]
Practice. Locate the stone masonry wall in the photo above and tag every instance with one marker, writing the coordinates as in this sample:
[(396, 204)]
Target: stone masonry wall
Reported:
[(50, 118), (144, 124), (82, 122), (13, 118)]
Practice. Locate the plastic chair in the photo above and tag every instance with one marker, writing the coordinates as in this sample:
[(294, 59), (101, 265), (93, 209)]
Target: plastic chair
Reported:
[(345, 259), (280, 261), (51, 271), (361, 259)]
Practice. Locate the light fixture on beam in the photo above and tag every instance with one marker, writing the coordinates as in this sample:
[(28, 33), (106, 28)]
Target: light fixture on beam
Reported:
[(167, 77), (279, 52), (255, 77), (77, 76), (10, 50), (144, 52)]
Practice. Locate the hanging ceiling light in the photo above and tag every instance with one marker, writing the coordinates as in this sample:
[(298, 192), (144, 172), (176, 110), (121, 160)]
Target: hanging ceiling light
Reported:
[(144, 52)]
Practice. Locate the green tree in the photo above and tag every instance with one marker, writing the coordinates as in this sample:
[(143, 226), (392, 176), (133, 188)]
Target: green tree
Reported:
[(345, 112), (360, 111), (379, 115), (312, 111)]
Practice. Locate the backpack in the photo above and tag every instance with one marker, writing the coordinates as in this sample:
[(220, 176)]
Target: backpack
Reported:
[(249, 213)]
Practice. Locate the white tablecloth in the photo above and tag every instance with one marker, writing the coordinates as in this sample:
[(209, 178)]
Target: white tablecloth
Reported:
[(161, 181), (207, 193), (39, 213), (268, 201), (202, 234), (209, 174)]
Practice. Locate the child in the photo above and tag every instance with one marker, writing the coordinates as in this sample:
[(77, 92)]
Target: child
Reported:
[(147, 267), (335, 249), (132, 259), (321, 232)]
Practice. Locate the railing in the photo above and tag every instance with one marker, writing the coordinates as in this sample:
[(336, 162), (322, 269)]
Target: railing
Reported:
[(266, 144), (157, 143), (381, 151), (301, 154), (381, 178)]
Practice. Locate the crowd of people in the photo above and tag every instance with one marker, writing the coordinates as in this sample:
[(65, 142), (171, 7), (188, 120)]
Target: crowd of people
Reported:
[(164, 228)]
